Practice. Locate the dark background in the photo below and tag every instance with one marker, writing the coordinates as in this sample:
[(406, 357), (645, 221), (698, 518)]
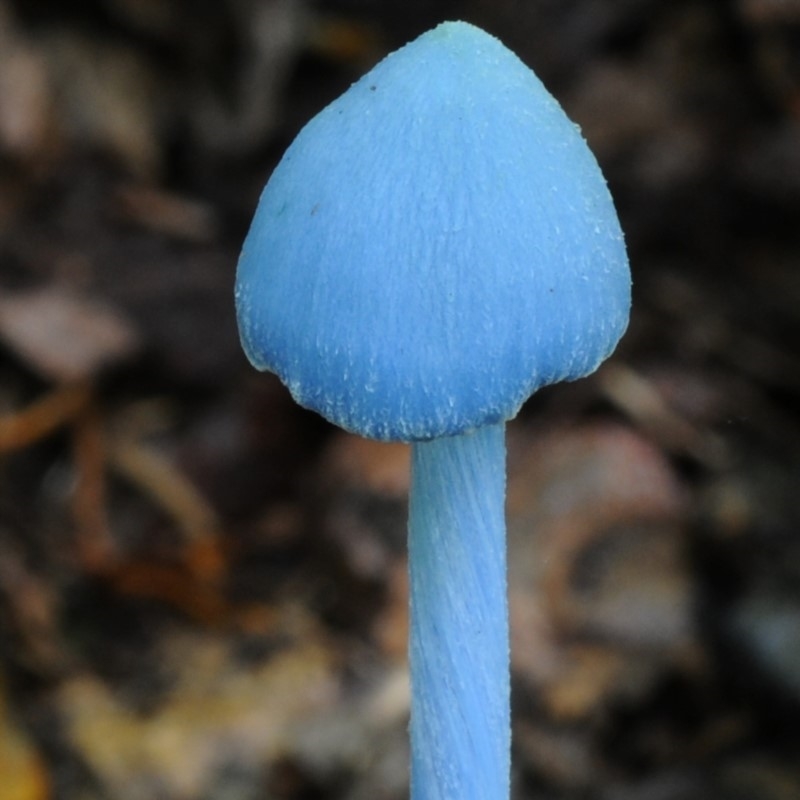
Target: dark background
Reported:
[(202, 589)]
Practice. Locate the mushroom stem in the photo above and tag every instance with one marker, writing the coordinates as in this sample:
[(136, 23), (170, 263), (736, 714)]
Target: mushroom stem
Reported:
[(458, 646)]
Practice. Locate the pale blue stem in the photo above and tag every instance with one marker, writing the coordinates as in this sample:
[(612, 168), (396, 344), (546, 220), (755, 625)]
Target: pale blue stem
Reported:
[(458, 645)]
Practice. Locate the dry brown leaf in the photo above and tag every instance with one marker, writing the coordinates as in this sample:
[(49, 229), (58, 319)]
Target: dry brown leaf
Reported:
[(62, 336)]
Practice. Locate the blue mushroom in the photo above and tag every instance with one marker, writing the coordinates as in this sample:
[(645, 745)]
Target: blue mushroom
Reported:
[(435, 246)]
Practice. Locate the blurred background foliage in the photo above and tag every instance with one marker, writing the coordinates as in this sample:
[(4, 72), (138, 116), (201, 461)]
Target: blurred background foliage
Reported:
[(202, 587)]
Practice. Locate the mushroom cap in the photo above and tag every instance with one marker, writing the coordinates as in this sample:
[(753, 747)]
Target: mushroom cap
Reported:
[(435, 246)]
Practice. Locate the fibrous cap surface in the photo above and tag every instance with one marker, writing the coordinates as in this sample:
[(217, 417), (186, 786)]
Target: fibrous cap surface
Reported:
[(434, 246)]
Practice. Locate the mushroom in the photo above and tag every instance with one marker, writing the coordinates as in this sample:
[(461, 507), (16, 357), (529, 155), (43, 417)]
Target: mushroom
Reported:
[(435, 246)]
